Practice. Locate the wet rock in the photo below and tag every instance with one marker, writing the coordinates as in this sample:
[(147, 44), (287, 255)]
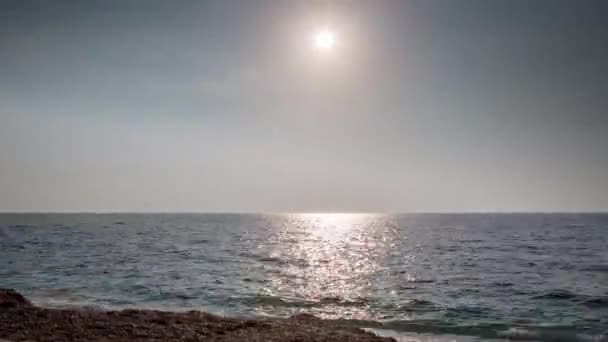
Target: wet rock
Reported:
[(11, 298), (20, 320)]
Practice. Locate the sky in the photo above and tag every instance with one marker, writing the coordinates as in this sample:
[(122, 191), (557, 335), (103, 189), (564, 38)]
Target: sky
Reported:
[(227, 106)]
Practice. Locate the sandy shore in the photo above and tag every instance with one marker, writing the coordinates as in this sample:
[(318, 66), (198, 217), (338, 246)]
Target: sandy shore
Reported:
[(20, 320)]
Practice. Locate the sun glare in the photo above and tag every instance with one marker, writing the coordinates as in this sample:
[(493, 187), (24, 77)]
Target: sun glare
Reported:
[(324, 40)]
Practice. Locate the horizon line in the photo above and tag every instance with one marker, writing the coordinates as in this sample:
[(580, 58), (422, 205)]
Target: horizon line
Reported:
[(178, 212)]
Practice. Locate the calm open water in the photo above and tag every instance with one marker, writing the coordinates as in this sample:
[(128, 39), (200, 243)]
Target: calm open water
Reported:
[(469, 277)]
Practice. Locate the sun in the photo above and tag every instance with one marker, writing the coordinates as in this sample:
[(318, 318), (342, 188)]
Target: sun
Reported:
[(324, 40)]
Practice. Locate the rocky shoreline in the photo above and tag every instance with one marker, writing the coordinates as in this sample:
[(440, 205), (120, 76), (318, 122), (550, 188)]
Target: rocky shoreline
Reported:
[(20, 320)]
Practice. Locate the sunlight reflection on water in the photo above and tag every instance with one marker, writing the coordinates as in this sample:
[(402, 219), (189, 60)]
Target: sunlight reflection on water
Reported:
[(336, 258)]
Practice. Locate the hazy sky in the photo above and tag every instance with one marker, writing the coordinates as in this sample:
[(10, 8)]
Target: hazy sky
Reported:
[(227, 106)]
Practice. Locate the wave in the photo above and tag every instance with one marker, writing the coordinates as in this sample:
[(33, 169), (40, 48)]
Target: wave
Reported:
[(278, 261), (419, 305), (543, 334), (496, 331), (22, 226), (420, 280), (299, 303), (170, 295), (502, 284), (597, 302), (343, 302), (556, 294), (467, 310), (69, 303), (586, 300), (63, 298), (596, 268), (470, 241)]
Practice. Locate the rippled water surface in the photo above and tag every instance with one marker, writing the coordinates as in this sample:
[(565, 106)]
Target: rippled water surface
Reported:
[(524, 276)]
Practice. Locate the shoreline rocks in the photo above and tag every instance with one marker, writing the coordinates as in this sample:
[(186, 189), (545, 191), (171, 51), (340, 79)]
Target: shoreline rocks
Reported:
[(20, 320)]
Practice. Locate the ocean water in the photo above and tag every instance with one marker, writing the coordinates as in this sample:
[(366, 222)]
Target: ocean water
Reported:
[(418, 277)]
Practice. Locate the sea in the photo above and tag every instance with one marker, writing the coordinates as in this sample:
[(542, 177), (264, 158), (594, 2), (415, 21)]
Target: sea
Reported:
[(416, 277)]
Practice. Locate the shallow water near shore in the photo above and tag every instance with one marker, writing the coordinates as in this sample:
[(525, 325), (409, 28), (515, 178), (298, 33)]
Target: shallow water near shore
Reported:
[(423, 277)]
